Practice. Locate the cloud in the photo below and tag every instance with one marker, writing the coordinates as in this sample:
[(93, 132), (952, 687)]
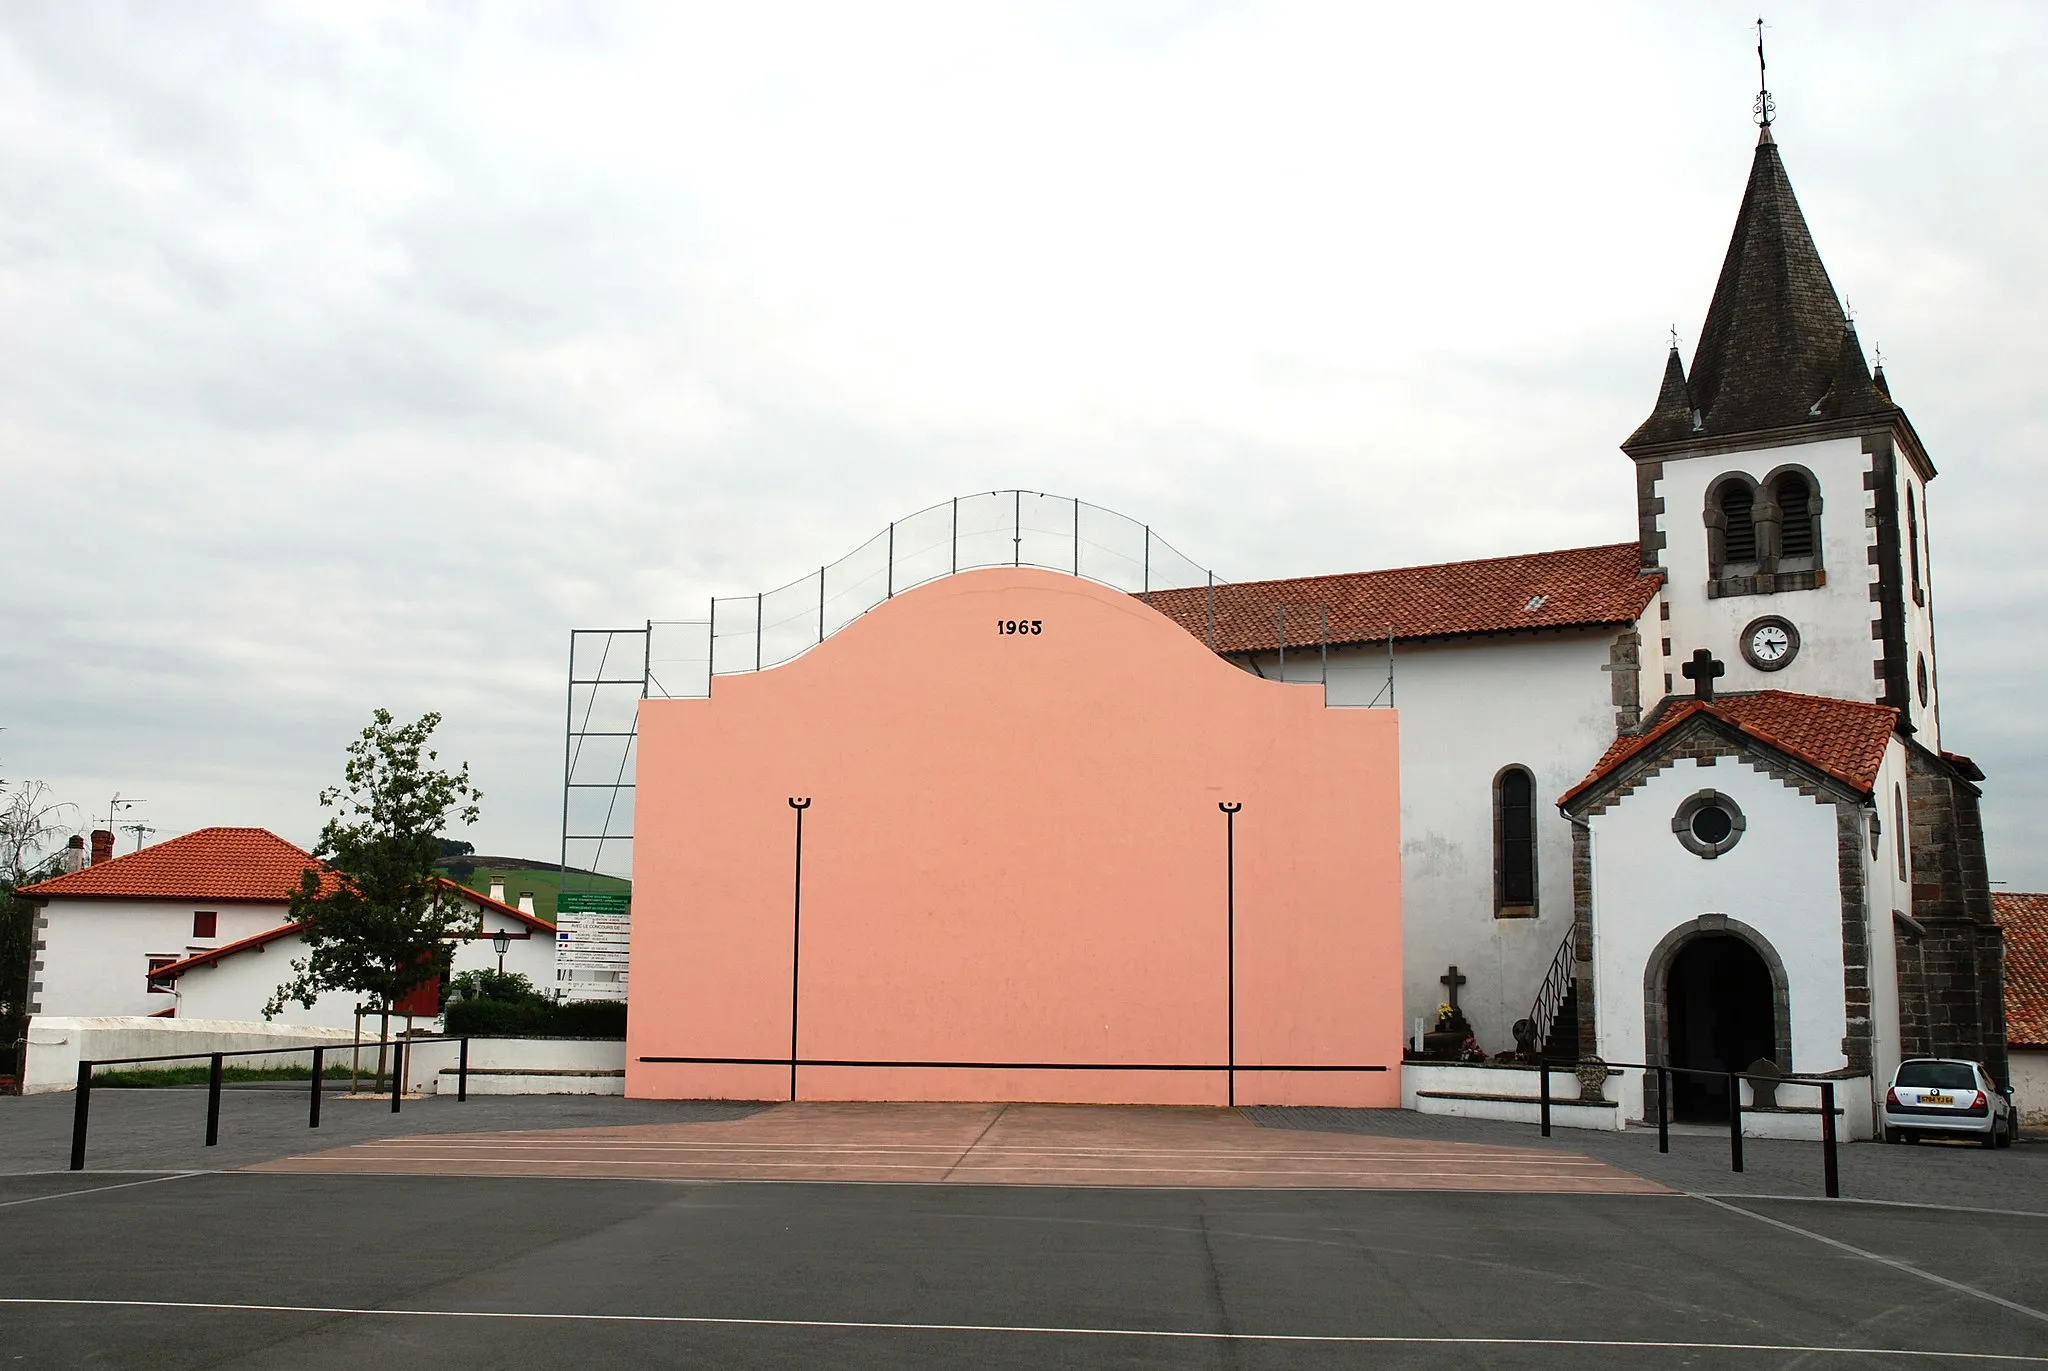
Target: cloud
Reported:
[(352, 355)]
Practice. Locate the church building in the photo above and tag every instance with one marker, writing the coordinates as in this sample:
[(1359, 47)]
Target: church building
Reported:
[(1684, 800), (1680, 801)]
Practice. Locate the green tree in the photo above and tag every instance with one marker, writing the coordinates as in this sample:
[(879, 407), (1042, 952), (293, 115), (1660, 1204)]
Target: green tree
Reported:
[(379, 922), (29, 822)]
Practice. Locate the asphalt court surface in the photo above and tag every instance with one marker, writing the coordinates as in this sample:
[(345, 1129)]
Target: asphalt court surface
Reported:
[(268, 1269), (170, 1254)]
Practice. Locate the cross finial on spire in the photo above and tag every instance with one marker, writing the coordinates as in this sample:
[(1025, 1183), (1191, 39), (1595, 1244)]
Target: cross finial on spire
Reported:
[(1879, 350), (1765, 106), (1701, 671), (1849, 314), (1674, 337)]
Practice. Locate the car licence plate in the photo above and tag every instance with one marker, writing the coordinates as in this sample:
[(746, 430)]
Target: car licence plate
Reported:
[(1937, 1097)]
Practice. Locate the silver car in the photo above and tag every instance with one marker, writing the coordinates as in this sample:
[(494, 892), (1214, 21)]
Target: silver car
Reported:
[(1933, 1097)]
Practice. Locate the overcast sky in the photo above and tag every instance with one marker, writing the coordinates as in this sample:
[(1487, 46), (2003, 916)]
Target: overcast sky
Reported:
[(351, 354)]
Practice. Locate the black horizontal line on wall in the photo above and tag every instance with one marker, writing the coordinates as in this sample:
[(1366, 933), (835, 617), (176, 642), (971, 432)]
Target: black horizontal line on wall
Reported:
[(1001, 1066)]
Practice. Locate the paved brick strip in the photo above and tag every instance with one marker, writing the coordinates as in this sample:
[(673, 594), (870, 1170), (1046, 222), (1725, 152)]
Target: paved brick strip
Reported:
[(985, 1145)]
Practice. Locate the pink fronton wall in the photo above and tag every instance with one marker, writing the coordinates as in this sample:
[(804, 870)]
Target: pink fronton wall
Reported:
[(1014, 857)]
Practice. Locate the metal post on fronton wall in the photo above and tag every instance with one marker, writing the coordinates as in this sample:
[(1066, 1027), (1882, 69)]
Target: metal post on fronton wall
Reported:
[(1543, 1093), (397, 1072), (1663, 1110), (1230, 812), (796, 934), (81, 1108), (462, 1073), (319, 1070)]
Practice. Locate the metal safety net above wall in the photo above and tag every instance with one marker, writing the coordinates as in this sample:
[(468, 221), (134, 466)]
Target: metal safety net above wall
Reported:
[(1005, 528), (612, 670)]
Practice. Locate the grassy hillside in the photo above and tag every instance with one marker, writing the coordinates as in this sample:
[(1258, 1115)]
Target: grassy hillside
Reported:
[(521, 874)]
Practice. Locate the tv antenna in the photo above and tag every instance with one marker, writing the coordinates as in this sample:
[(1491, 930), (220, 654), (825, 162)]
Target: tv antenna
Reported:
[(141, 832), (118, 804)]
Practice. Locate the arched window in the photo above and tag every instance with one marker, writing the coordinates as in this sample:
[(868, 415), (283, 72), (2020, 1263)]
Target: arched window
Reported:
[(1899, 827), (1738, 527), (1795, 508), (1514, 844)]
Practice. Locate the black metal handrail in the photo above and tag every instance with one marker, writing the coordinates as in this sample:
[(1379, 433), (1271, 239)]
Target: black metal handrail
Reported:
[(1557, 983), (81, 1111), (1831, 1180)]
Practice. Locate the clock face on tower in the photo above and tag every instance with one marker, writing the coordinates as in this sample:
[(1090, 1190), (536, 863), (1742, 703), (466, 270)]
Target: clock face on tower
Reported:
[(1770, 643)]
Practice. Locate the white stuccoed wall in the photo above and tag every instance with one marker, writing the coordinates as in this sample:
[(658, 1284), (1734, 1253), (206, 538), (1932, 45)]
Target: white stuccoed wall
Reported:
[(1470, 707), (1781, 879), (1836, 649), (236, 987), (96, 954), (2030, 1084), (57, 1043), (1885, 892)]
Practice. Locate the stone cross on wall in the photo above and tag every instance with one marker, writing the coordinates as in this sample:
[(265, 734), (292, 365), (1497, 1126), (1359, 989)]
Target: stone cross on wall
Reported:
[(1451, 984), (1701, 671)]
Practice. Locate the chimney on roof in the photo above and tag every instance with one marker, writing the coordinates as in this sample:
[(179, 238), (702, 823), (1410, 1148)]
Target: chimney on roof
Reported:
[(74, 853), (102, 846), (526, 902), (498, 888)]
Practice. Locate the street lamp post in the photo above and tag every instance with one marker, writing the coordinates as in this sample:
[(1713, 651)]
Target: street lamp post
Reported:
[(503, 942)]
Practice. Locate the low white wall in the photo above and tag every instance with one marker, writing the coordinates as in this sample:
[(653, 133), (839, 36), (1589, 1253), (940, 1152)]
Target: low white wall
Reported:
[(1855, 1117), (427, 1060), (56, 1044), (1524, 1082), (2029, 1068)]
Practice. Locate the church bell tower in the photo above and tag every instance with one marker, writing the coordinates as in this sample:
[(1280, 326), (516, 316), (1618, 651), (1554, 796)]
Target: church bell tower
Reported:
[(1780, 489)]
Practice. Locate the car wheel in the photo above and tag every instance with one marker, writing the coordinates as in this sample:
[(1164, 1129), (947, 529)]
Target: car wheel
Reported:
[(1909, 1136), (2005, 1135), (1990, 1139), (1888, 1135)]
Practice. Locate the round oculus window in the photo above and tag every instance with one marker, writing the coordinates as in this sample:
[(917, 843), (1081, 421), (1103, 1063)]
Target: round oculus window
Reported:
[(1708, 824), (1920, 671), (1711, 824), (1770, 643)]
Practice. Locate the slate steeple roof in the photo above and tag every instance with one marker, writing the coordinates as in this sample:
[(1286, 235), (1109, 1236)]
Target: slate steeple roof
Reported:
[(1776, 350)]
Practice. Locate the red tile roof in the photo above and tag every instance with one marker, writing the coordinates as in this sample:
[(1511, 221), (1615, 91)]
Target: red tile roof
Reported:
[(1578, 587), (225, 865), (1844, 738), (270, 935), (2024, 917)]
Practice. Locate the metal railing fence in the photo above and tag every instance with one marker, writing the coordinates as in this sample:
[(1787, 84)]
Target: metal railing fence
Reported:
[(399, 1047), (1831, 1181)]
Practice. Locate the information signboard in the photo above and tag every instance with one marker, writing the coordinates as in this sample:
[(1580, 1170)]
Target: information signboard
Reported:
[(592, 934)]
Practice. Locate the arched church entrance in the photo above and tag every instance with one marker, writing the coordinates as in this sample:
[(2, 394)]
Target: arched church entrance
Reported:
[(1720, 1006)]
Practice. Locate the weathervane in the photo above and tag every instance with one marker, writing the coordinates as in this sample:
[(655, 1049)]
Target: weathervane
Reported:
[(1765, 106), (1674, 337)]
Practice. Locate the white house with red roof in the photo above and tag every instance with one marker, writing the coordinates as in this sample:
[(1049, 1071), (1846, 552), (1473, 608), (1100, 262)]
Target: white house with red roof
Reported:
[(2024, 918), (199, 927)]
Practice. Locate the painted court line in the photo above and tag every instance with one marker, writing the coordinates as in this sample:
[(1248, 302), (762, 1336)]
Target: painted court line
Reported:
[(1028, 1330), (1878, 1204), (1907, 1267), (97, 1189)]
